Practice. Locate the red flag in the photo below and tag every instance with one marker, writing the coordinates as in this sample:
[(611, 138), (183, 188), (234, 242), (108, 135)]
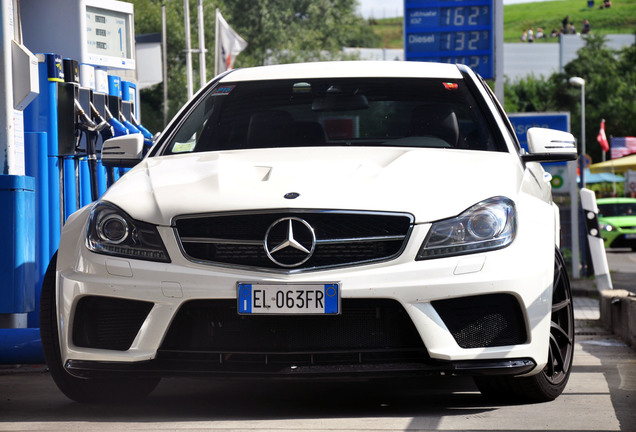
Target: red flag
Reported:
[(601, 138)]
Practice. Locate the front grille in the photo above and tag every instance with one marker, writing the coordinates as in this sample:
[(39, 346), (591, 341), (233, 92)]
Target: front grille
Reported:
[(108, 323), (623, 241), (340, 239), (483, 321), (367, 331)]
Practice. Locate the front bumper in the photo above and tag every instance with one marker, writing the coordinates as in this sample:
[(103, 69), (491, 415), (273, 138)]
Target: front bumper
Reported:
[(620, 239), (170, 367), (415, 285)]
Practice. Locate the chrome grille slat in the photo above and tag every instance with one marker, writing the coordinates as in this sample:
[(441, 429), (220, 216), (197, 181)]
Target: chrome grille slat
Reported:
[(361, 240), (203, 240), (341, 238), (259, 243)]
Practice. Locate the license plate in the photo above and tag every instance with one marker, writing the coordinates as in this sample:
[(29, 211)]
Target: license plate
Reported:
[(630, 236), (288, 299)]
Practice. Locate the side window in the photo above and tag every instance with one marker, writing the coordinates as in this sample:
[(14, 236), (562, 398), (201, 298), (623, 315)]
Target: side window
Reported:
[(189, 134), (509, 128)]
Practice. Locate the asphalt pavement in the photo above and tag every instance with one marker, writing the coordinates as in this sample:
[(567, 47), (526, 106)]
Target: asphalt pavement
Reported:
[(600, 396)]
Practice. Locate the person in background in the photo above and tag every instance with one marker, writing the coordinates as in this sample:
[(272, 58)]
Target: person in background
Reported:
[(586, 27), (565, 23), (531, 35)]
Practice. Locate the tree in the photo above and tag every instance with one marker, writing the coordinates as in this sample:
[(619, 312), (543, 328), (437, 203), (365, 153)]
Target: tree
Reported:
[(610, 92), (278, 31)]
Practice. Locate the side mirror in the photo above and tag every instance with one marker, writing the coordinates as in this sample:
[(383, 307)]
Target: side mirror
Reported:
[(549, 145), (123, 151)]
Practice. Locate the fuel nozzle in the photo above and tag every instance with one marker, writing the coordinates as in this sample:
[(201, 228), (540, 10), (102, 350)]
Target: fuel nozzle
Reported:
[(145, 132), (131, 127), (118, 128), (102, 125), (84, 122)]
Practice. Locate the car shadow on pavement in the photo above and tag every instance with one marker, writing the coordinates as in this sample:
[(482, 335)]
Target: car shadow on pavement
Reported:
[(197, 399)]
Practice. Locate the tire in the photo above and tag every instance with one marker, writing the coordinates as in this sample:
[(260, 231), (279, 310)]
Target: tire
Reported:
[(86, 390), (548, 384)]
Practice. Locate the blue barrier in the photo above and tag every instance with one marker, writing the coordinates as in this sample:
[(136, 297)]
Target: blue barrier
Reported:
[(19, 346), (36, 167), (17, 237), (18, 266)]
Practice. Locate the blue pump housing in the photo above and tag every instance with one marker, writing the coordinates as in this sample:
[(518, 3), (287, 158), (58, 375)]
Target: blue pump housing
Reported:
[(17, 237)]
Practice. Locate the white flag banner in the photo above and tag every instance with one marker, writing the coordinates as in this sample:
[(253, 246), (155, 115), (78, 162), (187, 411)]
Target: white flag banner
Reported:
[(228, 45)]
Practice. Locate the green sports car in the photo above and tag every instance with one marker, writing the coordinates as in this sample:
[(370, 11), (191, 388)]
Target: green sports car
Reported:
[(617, 218)]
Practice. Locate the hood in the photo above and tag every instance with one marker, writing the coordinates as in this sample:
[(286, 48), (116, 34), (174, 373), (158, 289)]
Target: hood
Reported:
[(431, 184)]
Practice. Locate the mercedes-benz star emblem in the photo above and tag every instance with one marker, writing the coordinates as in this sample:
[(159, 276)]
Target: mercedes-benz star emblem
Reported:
[(290, 242)]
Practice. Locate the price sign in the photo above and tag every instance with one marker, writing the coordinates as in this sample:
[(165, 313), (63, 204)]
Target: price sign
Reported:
[(451, 31)]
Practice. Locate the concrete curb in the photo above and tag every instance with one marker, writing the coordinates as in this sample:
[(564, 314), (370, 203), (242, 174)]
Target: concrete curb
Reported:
[(617, 306), (584, 287), (618, 313)]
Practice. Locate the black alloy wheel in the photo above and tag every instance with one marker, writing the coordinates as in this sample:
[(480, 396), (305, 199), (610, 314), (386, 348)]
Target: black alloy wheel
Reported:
[(561, 327), (548, 384)]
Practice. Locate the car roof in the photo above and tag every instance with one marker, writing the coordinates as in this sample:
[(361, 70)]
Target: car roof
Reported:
[(346, 69)]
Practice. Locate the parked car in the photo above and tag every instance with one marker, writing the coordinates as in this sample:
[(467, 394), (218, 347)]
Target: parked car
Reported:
[(321, 220), (617, 219)]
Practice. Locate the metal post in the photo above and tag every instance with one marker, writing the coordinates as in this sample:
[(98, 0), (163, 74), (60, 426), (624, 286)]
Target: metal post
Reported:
[(186, 19), (8, 163), (164, 49), (574, 221), (580, 82), (217, 42), (499, 44), (583, 149), (202, 73)]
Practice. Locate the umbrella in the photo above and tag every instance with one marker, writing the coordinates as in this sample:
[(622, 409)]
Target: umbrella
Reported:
[(615, 165), (603, 177)]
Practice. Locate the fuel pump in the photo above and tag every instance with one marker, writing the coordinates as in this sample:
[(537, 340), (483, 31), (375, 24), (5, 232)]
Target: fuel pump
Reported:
[(118, 130), (91, 131), (65, 123), (148, 138), (69, 93), (99, 110), (129, 105), (77, 140)]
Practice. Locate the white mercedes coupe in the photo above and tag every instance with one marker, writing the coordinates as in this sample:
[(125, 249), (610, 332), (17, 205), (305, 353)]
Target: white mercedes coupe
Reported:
[(348, 220)]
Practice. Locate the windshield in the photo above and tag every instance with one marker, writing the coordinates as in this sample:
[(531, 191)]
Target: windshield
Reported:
[(617, 209), (334, 112)]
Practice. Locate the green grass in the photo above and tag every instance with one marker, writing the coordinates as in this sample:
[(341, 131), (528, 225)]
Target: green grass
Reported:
[(390, 30), (620, 18)]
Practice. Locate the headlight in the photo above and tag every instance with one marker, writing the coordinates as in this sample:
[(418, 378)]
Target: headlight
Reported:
[(485, 226), (606, 227), (113, 232)]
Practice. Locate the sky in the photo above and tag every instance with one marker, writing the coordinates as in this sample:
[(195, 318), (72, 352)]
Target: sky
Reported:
[(395, 8)]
